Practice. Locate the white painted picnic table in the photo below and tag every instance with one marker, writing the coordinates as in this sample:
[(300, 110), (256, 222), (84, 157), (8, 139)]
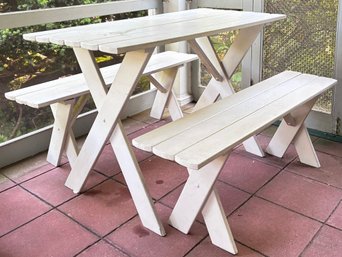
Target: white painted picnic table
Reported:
[(137, 38)]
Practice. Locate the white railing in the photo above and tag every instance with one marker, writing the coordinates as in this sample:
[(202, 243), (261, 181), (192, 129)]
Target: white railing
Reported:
[(32, 143)]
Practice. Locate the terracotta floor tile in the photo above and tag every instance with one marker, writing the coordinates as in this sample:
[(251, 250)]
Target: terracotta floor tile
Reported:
[(207, 249), (50, 186), (103, 208), (336, 218), (329, 147), (108, 164), (102, 249), (29, 173), (231, 197), (161, 176), (5, 183), (18, 207), (271, 229), (135, 240), (52, 234), (246, 173), (302, 195), (330, 171), (131, 125), (148, 128), (288, 157), (327, 243)]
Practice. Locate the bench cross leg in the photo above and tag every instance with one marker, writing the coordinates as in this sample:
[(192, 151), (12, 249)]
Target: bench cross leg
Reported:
[(62, 113), (65, 114), (165, 98), (292, 129), (199, 195)]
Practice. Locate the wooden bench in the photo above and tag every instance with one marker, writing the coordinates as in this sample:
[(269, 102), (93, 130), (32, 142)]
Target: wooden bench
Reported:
[(203, 140), (67, 96)]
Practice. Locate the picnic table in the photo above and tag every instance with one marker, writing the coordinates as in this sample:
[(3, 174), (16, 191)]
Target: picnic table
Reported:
[(137, 38)]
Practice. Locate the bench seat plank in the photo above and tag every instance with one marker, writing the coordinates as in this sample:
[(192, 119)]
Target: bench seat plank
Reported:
[(252, 124), (169, 148), (145, 32), (47, 93), (262, 110), (148, 140)]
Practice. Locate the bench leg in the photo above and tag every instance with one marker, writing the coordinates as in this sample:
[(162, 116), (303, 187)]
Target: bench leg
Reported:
[(165, 96), (217, 224), (197, 195), (71, 147), (62, 113), (65, 115), (292, 128), (224, 70)]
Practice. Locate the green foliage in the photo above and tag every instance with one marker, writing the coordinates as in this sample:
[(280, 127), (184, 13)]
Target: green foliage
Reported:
[(304, 42), (25, 63)]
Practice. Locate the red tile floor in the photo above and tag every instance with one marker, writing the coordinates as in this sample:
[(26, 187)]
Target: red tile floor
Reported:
[(276, 207)]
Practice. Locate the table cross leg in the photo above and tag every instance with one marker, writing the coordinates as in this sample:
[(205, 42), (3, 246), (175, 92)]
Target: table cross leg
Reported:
[(292, 128), (109, 107), (165, 79), (220, 85), (108, 126), (135, 181)]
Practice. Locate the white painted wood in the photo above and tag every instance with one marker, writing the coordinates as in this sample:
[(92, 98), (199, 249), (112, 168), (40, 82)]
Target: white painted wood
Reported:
[(231, 4), (171, 147), (50, 92), (226, 68), (217, 224), (92, 75), (105, 122), (38, 141), (199, 138), (305, 148), (286, 133), (239, 48), (174, 108), (119, 142), (135, 181), (201, 153), (156, 84), (194, 194), (129, 35), (149, 140), (41, 16), (161, 101), (63, 117), (209, 58), (71, 147)]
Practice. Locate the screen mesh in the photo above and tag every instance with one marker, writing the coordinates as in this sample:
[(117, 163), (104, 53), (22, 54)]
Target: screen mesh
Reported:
[(304, 42)]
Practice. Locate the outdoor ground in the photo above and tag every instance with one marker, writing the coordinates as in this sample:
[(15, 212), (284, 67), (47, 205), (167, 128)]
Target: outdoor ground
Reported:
[(275, 207)]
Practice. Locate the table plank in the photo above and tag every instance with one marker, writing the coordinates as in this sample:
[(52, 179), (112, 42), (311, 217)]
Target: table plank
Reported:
[(150, 31)]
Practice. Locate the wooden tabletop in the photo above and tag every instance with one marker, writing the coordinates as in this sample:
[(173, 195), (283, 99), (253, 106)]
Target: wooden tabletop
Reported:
[(150, 31)]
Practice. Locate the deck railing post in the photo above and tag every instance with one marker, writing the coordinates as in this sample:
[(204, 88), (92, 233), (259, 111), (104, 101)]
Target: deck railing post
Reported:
[(182, 83)]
